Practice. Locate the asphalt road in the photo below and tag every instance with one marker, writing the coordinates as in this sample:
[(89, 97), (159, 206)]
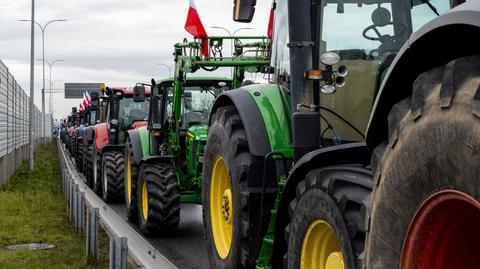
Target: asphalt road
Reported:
[(187, 248)]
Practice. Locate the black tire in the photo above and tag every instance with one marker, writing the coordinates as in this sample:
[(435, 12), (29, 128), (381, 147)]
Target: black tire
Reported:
[(113, 166), (227, 139), (97, 170), (79, 156), (432, 146), (131, 170), (163, 194), (339, 196), (89, 159)]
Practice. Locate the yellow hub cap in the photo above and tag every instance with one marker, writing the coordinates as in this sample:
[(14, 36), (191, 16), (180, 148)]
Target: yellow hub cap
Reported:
[(320, 248), (221, 207), (129, 179), (145, 200)]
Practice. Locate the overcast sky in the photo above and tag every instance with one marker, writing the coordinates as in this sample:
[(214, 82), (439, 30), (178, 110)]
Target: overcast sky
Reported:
[(114, 41)]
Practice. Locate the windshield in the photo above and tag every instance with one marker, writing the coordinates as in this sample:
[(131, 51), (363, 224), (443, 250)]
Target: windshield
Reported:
[(131, 111), (197, 103)]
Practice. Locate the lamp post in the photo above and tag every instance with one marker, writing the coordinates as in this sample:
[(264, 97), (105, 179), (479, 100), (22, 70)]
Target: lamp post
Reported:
[(51, 91), (169, 67), (31, 145), (50, 65), (42, 28)]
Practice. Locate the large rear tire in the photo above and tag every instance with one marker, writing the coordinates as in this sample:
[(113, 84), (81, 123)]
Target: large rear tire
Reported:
[(327, 225), (425, 206), (96, 170), (158, 196), (233, 237), (89, 159), (131, 176), (113, 166), (79, 156)]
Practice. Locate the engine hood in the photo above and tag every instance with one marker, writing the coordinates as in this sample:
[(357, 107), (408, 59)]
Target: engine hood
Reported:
[(197, 132)]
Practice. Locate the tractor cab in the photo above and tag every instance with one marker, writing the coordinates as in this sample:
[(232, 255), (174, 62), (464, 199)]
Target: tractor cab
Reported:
[(124, 112), (186, 120), (362, 37)]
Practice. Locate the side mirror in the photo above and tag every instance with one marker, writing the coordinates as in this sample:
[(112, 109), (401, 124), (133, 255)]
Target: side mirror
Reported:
[(139, 93), (243, 10)]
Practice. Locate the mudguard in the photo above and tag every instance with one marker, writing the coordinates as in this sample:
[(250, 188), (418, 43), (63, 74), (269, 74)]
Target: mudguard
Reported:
[(264, 112), (156, 159), (136, 145), (353, 153), (101, 135), (454, 32)]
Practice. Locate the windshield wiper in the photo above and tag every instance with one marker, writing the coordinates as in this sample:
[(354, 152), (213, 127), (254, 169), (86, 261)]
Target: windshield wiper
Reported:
[(432, 7)]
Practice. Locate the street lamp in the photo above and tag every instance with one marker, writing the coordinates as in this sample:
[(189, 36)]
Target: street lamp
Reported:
[(230, 34), (51, 91), (42, 28), (169, 67), (50, 65)]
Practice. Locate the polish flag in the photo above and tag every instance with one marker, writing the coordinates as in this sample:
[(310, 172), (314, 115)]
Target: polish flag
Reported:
[(84, 101), (87, 97), (194, 26)]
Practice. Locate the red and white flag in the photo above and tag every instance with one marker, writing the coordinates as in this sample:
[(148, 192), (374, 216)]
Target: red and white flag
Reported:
[(194, 26), (87, 97), (84, 101), (81, 107)]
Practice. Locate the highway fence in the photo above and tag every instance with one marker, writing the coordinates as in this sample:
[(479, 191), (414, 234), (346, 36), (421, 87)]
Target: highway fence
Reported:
[(14, 124)]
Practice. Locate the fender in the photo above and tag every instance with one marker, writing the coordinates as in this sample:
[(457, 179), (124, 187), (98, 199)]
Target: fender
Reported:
[(112, 148), (136, 145), (264, 112), (88, 134), (156, 159), (101, 135), (353, 153), (454, 32)]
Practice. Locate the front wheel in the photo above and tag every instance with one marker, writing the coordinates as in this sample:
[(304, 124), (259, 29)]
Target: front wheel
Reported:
[(113, 166), (131, 176), (158, 196), (327, 227), (231, 215), (425, 207)]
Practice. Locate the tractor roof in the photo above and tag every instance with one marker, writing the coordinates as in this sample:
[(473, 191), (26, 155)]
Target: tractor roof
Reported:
[(127, 90)]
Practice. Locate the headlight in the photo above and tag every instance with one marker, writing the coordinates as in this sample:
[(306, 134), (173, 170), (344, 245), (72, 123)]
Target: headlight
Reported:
[(329, 58), (114, 121)]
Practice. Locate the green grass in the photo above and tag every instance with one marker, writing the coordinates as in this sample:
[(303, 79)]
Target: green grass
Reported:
[(33, 210)]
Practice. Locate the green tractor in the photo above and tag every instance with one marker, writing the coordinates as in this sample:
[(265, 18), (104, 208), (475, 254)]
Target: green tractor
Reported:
[(164, 159), (360, 99)]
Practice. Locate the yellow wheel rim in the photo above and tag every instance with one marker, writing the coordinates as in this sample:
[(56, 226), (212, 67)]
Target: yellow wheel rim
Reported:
[(129, 179), (144, 200), (221, 207), (320, 248)]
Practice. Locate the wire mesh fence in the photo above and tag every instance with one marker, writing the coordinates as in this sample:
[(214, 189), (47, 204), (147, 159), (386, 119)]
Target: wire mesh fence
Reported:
[(14, 112)]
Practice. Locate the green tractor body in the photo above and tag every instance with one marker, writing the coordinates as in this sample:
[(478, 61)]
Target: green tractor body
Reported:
[(173, 143), (302, 194)]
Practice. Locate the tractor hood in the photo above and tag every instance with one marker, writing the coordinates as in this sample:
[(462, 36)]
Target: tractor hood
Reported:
[(197, 132)]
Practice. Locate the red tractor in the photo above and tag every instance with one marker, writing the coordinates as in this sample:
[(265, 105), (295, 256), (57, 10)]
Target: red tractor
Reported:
[(122, 110)]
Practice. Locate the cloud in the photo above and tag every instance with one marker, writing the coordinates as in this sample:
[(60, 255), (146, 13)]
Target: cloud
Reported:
[(116, 41)]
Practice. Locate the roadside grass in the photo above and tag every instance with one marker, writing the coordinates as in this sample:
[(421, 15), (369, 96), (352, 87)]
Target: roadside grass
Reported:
[(32, 210)]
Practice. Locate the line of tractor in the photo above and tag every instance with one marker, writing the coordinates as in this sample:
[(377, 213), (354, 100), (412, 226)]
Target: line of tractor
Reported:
[(359, 151)]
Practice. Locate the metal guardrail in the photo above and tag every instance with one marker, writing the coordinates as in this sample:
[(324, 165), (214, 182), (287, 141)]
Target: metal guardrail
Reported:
[(124, 240)]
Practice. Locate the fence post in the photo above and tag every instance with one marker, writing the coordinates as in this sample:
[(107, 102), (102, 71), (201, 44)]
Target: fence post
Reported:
[(92, 235), (118, 252), (80, 211), (74, 213)]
